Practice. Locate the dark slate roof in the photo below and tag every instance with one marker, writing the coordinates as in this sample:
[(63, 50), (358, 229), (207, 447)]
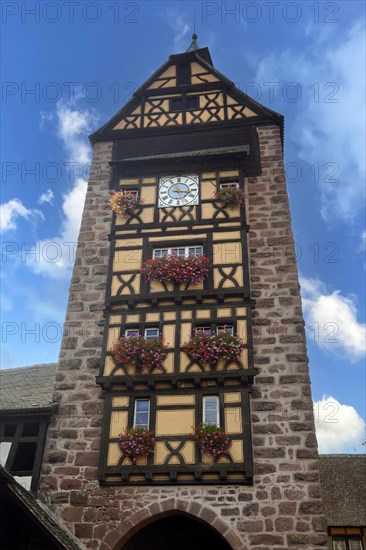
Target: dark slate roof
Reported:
[(202, 152), (38, 512), (27, 388), (344, 489)]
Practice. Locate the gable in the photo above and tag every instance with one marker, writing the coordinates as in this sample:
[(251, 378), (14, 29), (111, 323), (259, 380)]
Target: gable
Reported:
[(202, 96), (203, 106)]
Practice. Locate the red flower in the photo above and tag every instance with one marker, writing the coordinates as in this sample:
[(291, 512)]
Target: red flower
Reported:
[(209, 348), (192, 269), (230, 197), (212, 439), (143, 354), (135, 442), (124, 203)]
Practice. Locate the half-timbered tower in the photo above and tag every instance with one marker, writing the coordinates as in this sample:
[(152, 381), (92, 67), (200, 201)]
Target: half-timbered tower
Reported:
[(187, 312)]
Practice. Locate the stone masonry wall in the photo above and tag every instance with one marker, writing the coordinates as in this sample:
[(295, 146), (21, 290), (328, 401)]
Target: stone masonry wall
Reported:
[(282, 510)]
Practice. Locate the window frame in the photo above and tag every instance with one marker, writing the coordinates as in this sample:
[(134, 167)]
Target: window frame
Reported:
[(132, 190), (139, 399), (229, 185), (225, 325), (183, 103), (346, 539), (151, 328), (141, 332), (214, 327), (204, 329), (136, 330), (186, 253), (183, 74), (204, 412)]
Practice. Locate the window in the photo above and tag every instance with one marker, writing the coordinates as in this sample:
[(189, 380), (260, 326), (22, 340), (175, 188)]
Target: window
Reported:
[(347, 543), (192, 102), (132, 192), (225, 329), (142, 413), (195, 250), (151, 333), (211, 410), (176, 104), (24, 457), (230, 185), (203, 330), (30, 429), (132, 332), (183, 74), (188, 103), (181, 251)]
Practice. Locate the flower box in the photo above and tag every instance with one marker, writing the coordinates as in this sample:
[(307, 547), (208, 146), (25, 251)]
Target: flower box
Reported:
[(124, 203), (207, 349), (192, 269), (212, 439), (136, 442), (230, 197), (145, 355)]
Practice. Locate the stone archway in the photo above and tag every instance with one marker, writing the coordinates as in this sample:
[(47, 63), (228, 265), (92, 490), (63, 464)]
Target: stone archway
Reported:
[(193, 515), (177, 531)]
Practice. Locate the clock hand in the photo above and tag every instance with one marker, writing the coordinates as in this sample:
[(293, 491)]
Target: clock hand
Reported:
[(180, 191)]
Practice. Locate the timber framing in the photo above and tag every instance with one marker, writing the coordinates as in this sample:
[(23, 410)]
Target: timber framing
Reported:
[(217, 140)]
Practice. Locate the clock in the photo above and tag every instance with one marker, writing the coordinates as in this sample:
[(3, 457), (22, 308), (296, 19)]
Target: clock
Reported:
[(178, 191)]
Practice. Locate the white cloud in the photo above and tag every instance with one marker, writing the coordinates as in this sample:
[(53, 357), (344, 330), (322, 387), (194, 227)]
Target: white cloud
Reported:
[(363, 238), (339, 427), (45, 117), (73, 126), (177, 23), (12, 210), (48, 196), (330, 115), (332, 320), (56, 254)]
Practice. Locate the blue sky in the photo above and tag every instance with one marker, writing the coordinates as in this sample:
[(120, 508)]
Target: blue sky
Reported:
[(68, 69)]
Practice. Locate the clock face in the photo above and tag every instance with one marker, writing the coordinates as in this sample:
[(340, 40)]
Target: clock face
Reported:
[(178, 191)]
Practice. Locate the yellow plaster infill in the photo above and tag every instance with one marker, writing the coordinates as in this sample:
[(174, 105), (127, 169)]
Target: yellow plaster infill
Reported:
[(175, 400), (114, 454), (120, 402), (118, 424), (186, 237), (228, 235), (232, 397), (227, 253), (127, 260), (233, 420), (223, 312), (133, 318), (177, 422)]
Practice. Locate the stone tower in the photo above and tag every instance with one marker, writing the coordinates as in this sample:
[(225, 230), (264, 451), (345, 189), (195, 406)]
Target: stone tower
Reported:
[(186, 142)]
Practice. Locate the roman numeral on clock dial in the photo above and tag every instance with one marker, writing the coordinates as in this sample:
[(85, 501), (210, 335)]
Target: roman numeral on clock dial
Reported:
[(178, 191)]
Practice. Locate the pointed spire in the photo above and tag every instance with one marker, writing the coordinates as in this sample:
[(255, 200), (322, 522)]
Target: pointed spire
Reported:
[(193, 46)]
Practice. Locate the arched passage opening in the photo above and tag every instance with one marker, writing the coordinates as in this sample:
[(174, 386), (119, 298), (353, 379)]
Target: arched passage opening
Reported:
[(178, 532)]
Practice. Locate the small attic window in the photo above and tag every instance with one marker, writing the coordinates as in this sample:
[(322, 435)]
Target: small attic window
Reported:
[(183, 74), (180, 103), (192, 102), (176, 104)]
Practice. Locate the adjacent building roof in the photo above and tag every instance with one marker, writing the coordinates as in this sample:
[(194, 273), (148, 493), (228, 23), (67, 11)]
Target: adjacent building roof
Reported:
[(39, 515), (344, 490), (27, 388)]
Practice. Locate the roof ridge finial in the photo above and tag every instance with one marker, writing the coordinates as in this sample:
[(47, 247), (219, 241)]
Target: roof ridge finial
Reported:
[(193, 45)]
